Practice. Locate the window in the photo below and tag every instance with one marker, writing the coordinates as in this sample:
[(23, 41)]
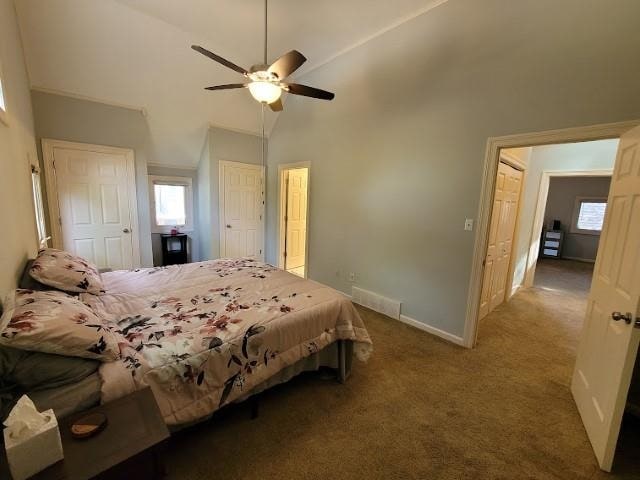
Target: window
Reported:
[(3, 105), (39, 207), (171, 203), (588, 215)]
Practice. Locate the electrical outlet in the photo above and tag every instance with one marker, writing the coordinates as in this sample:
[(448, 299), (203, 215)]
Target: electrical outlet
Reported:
[(352, 277), (468, 224)]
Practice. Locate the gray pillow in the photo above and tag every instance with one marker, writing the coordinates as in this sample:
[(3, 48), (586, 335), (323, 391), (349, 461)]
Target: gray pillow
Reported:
[(23, 372), (29, 283), (29, 371)]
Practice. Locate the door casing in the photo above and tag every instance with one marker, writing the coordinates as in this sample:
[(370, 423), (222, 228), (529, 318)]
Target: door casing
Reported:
[(221, 202), (48, 146), (541, 204), (282, 201)]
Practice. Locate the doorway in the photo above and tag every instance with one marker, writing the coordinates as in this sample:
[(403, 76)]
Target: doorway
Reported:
[(294, 218), (241, 210), (91, 195), (600, 337)]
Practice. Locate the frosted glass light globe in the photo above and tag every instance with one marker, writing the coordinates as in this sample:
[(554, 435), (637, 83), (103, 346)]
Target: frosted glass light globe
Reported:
[(265, 92)]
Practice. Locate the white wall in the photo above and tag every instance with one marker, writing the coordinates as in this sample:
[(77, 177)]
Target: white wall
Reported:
[(561, 201), (598, 155), (17, 151), (397, 157), (75, 120)]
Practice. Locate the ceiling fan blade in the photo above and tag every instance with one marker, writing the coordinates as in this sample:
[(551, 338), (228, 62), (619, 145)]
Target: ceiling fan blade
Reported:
[(219, 59), (228, 86), (307, 91), (287, 64), (276, 106)]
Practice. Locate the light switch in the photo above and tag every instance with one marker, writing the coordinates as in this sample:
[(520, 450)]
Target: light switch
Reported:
[(468, 224)]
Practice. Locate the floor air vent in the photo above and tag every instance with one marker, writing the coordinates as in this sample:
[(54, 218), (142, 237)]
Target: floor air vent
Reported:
[(378, 303)]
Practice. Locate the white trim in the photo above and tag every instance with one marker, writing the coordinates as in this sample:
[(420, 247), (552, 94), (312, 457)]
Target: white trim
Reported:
[(221, 225), (513, 161), (171, 180), (172, 166), (368, 38), (492, 157), (282, 168), (579, 259), (77, 96), (432, 330), (237, 130), (4, 118), (538, 219), (48, 146)]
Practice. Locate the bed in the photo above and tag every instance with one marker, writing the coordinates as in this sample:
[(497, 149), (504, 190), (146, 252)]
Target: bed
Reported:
[(203, 335)]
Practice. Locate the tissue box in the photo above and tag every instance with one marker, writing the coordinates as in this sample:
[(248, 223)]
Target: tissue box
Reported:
[(27, 456)]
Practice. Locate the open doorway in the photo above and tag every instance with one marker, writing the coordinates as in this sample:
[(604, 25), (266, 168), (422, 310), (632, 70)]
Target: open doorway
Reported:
[(573, 220), (584, 323), (294, 217)]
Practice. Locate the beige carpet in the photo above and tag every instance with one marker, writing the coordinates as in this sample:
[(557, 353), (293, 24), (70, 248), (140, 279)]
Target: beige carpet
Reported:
[(422, 408)]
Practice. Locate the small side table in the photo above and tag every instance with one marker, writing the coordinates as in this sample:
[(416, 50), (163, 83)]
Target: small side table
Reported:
[(128, 447), (174, 248)]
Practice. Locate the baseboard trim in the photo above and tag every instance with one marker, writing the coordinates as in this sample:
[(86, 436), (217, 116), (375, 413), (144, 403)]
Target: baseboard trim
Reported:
[(578, 259), (412, 322), (432, 330)]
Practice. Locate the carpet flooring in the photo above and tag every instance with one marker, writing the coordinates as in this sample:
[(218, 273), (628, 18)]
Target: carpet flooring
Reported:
[(422, 408)]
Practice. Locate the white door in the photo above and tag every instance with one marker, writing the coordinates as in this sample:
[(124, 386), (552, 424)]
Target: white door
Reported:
[(501, 233), (296, 219), (95, 206), (241, 207), (609, 341)]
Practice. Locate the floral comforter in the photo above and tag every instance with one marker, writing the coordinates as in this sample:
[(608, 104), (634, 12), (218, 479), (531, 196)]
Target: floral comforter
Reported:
[(202, 334)]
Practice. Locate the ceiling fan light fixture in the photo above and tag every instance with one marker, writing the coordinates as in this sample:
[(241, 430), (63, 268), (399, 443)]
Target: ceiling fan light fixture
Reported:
[(265, 92)]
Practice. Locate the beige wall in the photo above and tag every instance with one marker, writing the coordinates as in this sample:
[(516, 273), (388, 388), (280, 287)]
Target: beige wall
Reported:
[(17, 150), (397, 157), (65, 118)]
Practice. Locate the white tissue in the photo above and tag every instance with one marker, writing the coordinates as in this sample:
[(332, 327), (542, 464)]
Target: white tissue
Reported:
[(24, 420), (31, 439)]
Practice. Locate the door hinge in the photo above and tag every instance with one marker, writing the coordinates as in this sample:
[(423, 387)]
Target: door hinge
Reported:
[(60, 220), (284, 254), (260, 251)]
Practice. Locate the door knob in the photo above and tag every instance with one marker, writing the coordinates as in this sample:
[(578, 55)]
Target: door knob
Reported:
[(228, 226), (617, 316), (125, 230)]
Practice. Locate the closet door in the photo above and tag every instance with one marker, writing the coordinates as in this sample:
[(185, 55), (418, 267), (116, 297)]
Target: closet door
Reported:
[(501, 232)]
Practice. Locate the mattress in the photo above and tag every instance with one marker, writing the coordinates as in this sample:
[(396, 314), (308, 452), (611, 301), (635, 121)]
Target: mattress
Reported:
[(203, 335)]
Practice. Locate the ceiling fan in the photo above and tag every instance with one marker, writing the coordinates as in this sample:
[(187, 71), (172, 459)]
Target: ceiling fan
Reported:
[(267, 81)]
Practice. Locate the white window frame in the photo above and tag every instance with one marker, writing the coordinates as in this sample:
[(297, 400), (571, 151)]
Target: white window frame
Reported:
[(36, 186), (164, 180), (3, 111), (576, 213)]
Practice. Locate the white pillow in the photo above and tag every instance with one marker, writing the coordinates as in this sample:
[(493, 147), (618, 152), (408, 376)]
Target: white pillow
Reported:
[(55, 322), (61, 270)]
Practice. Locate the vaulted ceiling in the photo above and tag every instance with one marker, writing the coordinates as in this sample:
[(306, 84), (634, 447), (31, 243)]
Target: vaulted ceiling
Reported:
[(136, 52)]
